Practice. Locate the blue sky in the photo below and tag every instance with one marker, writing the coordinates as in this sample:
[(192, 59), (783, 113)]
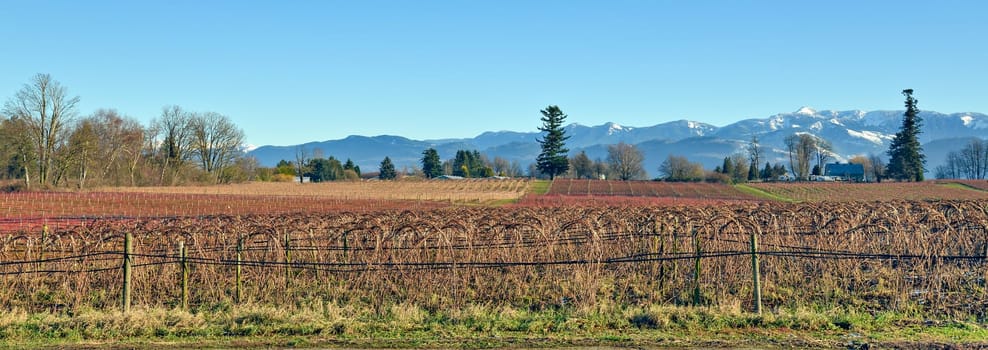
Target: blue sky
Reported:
[(290, 72)]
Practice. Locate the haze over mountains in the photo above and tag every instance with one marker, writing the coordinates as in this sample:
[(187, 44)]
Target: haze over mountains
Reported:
[(851, 133)]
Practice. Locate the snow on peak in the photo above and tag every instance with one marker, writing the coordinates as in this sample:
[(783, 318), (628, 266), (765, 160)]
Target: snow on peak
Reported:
[(967, 120), (613, 128), (816, 126), (777, 123), (806, 111), (869, 135)]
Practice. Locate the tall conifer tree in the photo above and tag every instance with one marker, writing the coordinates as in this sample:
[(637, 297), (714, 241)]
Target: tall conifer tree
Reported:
[(552, 161), (432, 166), (387, 170), (907, 159)]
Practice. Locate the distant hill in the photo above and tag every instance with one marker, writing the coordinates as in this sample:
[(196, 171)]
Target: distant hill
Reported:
[(851, 133)]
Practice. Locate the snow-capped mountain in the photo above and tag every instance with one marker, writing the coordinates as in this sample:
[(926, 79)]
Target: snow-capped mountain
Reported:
[(850, 132)]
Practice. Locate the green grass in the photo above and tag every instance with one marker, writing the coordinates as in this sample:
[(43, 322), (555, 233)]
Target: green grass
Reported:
[(763, 194), (477, 326), (540, 187), (961, 186)]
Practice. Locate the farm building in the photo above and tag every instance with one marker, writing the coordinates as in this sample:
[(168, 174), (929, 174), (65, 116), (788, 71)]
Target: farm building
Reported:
[(850, 172)]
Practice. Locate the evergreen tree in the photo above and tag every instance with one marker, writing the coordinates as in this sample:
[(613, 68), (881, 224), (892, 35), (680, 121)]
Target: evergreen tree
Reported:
[(907, 159), (552, 161), (466, 163), (767, 172), (321, 170), (728, 167), (487, 172), (387, 170), (753, 171), (477, 164), (582, 165), (432, 166), (778, 170), (350, 166)]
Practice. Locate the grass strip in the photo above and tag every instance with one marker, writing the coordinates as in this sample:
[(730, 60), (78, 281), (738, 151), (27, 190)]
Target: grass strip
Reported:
[(540, 187), (961, 186), (482, 326), (757, 192)]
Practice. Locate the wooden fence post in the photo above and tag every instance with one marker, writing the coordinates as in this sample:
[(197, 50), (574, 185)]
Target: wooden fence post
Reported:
[(661, 242), (240, 250), (756, 274), (347, 260), (41, 247), (696, 268), (288, 259), (128, 250), (184, 264)]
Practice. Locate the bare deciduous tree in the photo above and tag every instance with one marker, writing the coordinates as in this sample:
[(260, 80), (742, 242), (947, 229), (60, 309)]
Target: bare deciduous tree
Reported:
[(45, 108), (677, 168), (216, 142), (119, 143), (626, 161), (824, 150), (877, 167), (172, 128), (755, 151), (865, 164), (969, 162), (301, 162), (17, 149), (801, 149)]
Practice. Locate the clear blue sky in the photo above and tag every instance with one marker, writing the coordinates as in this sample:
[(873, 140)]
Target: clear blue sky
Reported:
[(296, 71)]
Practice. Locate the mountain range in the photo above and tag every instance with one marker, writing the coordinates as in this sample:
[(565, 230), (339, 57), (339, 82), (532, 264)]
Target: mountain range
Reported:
[(850, 132)]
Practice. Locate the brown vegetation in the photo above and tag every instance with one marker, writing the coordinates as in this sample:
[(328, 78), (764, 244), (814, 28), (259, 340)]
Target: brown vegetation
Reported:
[(900, 256)]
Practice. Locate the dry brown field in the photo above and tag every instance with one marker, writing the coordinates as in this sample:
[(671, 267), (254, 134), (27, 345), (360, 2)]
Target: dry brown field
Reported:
[(868, 192), (457, 191)]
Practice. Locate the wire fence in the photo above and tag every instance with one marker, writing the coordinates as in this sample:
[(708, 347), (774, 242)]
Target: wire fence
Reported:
[(891, 256)]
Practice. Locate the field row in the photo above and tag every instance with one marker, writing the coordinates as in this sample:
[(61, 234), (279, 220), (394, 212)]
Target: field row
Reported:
[(657, 189), (455, 191), (857, 192), (31, 211), (670, 192)]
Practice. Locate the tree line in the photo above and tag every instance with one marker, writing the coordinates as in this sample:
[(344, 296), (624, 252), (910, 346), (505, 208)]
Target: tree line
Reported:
[(970, 162), (907, 161), (46, 143), (808, 156)]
